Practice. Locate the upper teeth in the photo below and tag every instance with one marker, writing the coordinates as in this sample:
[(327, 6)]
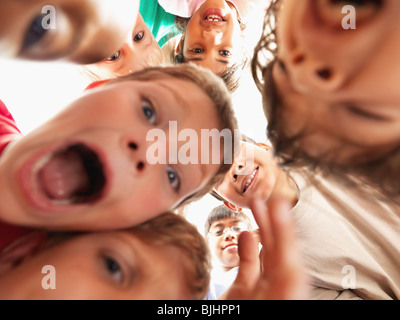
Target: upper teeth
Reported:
[(213, 17), (250, 179)]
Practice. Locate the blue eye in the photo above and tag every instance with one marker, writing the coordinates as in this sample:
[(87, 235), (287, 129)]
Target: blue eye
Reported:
[(114, 269), (35, 32), (149, 111), (173, 179)]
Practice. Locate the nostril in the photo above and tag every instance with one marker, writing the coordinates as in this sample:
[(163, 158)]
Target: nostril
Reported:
[(133, 145), (140, 166), (324, 74), (298, 59)]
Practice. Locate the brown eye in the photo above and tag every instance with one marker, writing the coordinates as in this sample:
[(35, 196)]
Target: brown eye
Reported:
[(224, 53), (138, 37), (197, 50), (114, 57)]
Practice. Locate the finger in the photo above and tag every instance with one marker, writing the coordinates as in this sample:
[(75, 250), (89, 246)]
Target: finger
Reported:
[(249, 263), (284, 267), (260, 213), (282, 228)]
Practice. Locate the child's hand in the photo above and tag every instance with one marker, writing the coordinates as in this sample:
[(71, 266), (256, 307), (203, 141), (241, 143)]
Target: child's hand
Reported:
[(281, 276)]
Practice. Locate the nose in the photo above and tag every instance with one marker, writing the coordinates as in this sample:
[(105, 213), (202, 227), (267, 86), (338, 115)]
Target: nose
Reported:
[(237, 170), (214, 36), (136, 151), (309, 74), (230, 234)]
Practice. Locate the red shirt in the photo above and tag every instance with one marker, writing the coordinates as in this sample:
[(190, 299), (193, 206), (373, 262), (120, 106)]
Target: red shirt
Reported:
[(8, 132), (8, 127)]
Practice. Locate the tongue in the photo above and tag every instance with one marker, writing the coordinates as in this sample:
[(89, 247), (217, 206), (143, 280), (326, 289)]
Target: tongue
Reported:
[(63, 176)]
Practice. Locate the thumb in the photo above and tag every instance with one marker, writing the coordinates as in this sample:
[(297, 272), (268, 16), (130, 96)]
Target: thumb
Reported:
[(249, 264)]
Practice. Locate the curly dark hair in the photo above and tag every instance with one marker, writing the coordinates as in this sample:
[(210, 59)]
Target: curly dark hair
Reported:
[(383, 173), (232, 75)]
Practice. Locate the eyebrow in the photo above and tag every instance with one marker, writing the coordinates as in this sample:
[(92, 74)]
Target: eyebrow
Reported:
[(223, 224), (200, 59)]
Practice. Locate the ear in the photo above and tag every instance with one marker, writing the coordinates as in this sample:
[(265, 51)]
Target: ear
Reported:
[(264, 146), (232, 207), (179, 47)]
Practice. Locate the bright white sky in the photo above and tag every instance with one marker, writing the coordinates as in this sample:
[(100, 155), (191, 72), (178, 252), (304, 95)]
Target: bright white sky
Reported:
[(35, 91)]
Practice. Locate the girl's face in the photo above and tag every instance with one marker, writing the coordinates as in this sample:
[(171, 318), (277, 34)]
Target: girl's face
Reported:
[(97, 266), (340, 87), (139, 49), (89, 167), (81, 31), (213, 36), (253, 175)]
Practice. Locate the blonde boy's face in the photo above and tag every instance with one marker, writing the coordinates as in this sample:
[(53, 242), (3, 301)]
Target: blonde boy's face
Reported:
[(109, 265), (89, 167), (253, 175), (339, 86), (139, 50), (79, 31)]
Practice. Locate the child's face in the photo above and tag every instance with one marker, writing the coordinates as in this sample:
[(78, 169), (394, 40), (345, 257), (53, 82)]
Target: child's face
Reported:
[(223, 241), (87, 168), (253, 175), (81, 31), (133, 56), (105, 265), (213, 36), (341, 86)]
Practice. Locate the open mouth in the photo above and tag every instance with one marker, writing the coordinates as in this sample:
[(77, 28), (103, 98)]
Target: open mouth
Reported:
[(214, 15), (71, 175), (249, 181), (231, 246)]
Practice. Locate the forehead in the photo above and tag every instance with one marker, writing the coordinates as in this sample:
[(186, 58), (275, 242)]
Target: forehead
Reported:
[(226, 222), (191, 101)]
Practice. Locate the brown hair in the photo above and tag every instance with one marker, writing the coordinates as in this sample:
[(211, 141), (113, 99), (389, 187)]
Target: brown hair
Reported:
[(379, 172), (167, 230), (170, 229), (215, 89)]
